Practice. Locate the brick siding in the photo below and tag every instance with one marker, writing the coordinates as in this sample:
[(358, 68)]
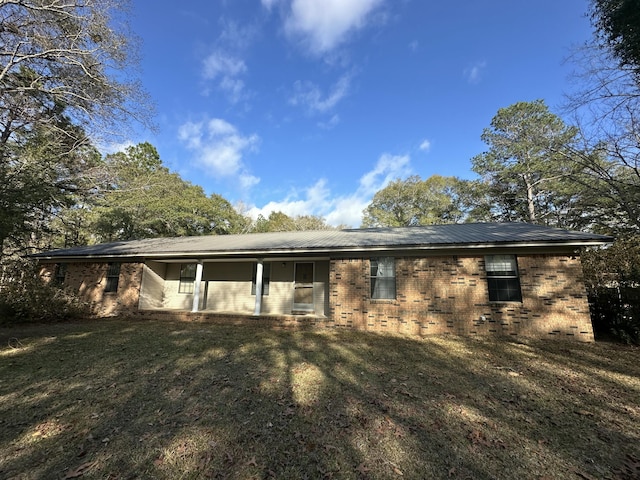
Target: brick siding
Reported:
[(89, 280), (448, 294), (435, 295)]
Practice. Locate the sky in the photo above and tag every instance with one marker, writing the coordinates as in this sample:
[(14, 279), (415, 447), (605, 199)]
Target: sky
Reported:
[(310, 107)]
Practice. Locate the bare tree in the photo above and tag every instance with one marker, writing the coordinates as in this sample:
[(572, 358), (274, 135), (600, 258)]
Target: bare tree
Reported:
[(71, 53), (606, 108), (66, 76)]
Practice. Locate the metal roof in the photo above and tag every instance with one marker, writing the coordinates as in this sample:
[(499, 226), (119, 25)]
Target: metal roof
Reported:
[(467, 235)]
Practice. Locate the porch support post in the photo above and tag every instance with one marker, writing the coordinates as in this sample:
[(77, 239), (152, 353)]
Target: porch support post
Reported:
[(259, 270), (196, 286)]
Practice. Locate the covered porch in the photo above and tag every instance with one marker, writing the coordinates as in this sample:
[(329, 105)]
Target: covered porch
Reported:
[(248, 286)]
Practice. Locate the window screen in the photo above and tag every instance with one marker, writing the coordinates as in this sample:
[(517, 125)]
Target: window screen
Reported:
[(113, 277), (502, 278), (187, 277), (383, 278)]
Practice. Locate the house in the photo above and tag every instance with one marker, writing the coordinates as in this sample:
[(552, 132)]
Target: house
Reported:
[(483, 278)]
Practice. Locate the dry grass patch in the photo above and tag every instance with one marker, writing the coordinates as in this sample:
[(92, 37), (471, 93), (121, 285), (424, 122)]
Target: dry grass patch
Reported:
[(126, 399)]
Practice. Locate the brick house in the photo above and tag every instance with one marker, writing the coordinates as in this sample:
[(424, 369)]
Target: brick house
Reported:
[(484, 278)]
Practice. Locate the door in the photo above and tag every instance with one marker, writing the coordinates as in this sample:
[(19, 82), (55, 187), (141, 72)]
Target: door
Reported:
[(303, 287)]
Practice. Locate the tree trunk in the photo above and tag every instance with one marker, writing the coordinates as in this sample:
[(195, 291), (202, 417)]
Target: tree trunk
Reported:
[(531, 206)]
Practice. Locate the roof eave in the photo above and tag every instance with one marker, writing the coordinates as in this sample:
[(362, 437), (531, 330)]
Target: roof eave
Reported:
[(328, 251)]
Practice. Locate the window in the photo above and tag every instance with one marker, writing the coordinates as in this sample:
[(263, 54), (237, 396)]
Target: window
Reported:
[(60, 273), (502, 278), (383, 278), (266, 277), (187, 277), (113, 276)]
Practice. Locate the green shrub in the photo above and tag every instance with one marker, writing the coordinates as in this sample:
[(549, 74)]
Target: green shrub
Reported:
[(25, 297)]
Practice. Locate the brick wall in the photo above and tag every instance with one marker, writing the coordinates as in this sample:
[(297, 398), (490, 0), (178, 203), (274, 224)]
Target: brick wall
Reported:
[(435, 295), (448, 294), (89, 280)]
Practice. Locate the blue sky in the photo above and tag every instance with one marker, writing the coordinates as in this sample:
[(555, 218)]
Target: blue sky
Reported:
[(311, 106)]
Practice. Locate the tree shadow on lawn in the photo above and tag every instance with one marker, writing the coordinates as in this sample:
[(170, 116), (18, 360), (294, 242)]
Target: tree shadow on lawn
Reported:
[(121, 399)]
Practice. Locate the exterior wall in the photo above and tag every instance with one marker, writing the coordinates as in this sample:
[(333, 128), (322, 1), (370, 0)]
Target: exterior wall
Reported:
[(226, 287), (171, 298), (448, 294), (280, 298), (88, 279), (435, 295), (321, 288), (152, 286)]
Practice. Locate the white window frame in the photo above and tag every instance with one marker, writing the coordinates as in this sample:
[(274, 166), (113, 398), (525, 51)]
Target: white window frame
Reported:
[(382, 276)]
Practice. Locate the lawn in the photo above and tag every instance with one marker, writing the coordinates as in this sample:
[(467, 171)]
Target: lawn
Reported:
[(125, 399)]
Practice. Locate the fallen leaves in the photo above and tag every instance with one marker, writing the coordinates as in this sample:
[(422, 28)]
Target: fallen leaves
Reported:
[(80, 470), (362, 469), (48, 429), (585, 413), (252, 403), (629, 470), (478, 438)]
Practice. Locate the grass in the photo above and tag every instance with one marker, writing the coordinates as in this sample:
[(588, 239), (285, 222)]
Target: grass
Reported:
[(125, 399)]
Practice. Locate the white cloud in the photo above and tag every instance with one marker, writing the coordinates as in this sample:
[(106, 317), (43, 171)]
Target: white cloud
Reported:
[(388, 168), (115, 147), (219, 148), (220, 64), (218, 128), (225, 69), (309, 95), (344, 209), (331, 123), (323, 25), (248, 181), (348, 209), (314, 199), (425, 146), (234, 88), (268, 4), (237, 36), (473, 73)]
